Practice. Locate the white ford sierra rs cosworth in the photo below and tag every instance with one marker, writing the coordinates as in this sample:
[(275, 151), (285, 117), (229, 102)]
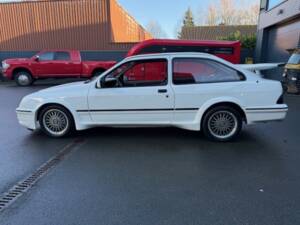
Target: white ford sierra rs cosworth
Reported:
[(193, 91)]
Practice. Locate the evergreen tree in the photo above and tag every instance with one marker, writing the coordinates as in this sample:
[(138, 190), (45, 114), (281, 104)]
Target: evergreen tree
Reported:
[(188, 21)]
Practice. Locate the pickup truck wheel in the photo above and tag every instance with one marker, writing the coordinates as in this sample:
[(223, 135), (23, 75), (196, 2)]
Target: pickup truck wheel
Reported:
[(23, 78), (56, 121), (222, 124), (98, 73)]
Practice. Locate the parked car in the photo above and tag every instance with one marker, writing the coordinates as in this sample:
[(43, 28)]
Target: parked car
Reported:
[(192, 91), (228, 50), (291, 73), (52, 64)]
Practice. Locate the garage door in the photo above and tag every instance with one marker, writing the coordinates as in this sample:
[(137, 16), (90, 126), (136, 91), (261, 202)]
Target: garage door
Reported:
[(281, 38)]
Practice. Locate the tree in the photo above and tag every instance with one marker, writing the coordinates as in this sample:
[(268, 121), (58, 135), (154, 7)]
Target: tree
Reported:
[(154, 28), (212, 16), (227, 12), (188, 20), (247, 41), (248, 16)]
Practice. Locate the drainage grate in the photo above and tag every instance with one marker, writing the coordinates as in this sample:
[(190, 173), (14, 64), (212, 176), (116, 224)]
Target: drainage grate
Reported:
[(24, 185)]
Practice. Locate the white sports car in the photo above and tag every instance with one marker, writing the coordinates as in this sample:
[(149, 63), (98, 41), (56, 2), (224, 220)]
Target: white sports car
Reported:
[(192, 91)]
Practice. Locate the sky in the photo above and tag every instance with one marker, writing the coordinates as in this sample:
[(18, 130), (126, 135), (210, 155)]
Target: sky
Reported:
[(169, 13)]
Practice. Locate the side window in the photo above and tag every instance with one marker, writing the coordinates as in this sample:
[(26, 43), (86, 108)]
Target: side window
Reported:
[(141, 73), (46, 56), (63, 56), (193, 70)]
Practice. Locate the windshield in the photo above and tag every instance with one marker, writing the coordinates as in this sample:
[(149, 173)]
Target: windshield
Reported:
[(295, 59)]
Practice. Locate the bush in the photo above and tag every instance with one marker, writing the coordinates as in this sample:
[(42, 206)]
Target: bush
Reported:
[(247, 41)]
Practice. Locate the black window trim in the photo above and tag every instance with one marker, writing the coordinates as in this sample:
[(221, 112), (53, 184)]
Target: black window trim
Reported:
[(244, 78), (136, 60)]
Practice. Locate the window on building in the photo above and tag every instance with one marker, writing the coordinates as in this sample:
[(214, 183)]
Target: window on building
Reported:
[(46, 56), (65, 56), (273, 3), (193, 70), (141, 73)]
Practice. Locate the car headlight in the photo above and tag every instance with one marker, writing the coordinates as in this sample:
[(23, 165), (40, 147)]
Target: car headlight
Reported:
[(5, 65)]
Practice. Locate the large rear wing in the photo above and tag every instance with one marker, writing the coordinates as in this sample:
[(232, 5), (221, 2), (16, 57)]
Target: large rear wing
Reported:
[(257, 68)]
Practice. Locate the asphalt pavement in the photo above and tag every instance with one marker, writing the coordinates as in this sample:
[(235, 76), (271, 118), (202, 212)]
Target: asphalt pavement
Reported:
[(152, 176)]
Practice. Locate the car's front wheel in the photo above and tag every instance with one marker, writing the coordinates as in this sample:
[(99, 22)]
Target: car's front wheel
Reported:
[(222, 123), (23, 78), (56, 121)]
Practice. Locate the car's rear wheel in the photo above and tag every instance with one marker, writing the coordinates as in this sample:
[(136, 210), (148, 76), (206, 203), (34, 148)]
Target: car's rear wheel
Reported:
[(222, 123), (56, 121), (23, 78)]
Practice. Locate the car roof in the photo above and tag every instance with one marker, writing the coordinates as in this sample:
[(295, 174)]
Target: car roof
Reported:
[(173, 54)]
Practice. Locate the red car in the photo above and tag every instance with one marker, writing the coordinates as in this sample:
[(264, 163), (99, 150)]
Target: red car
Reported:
[(228, 50), (54, 64)]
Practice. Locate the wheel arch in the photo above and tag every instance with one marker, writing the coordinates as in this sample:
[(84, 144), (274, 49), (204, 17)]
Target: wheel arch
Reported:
[(19, 69), (43, 106), (228, 102)]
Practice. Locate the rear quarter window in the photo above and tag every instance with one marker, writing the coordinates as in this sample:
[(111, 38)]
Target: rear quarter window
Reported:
[(195, 71)]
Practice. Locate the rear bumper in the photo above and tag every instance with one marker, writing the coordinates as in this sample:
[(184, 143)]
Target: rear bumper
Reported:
[(265, 114), (27, 119)]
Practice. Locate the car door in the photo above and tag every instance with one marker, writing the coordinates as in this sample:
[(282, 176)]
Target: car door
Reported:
[(142, 95), (44, 65), (65, 65)]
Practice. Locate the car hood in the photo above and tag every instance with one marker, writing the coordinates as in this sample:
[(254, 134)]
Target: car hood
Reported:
[(61, 94), (76, 86), (17, 60)]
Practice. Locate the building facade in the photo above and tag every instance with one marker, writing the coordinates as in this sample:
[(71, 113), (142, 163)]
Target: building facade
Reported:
[(85, 25), (278, 31)]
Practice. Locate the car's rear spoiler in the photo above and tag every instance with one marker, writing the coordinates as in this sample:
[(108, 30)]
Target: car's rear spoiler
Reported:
[(262, 66)]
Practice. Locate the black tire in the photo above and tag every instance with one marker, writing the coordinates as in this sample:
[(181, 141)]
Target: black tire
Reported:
[(222, 124), (68, 118), (23, 78)]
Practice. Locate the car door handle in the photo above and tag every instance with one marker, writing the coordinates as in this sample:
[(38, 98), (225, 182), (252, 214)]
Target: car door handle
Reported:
[(162, 90)]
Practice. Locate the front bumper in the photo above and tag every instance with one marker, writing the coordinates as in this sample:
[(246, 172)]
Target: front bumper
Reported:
[(2, 78), (265, 114), (6, 74), (27, 118)]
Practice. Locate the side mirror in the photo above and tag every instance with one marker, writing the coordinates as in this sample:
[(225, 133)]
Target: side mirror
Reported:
[(37, 58), (110, 82)]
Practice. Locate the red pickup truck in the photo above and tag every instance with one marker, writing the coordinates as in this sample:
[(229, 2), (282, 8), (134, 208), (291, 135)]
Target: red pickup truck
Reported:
[(54, 64)]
